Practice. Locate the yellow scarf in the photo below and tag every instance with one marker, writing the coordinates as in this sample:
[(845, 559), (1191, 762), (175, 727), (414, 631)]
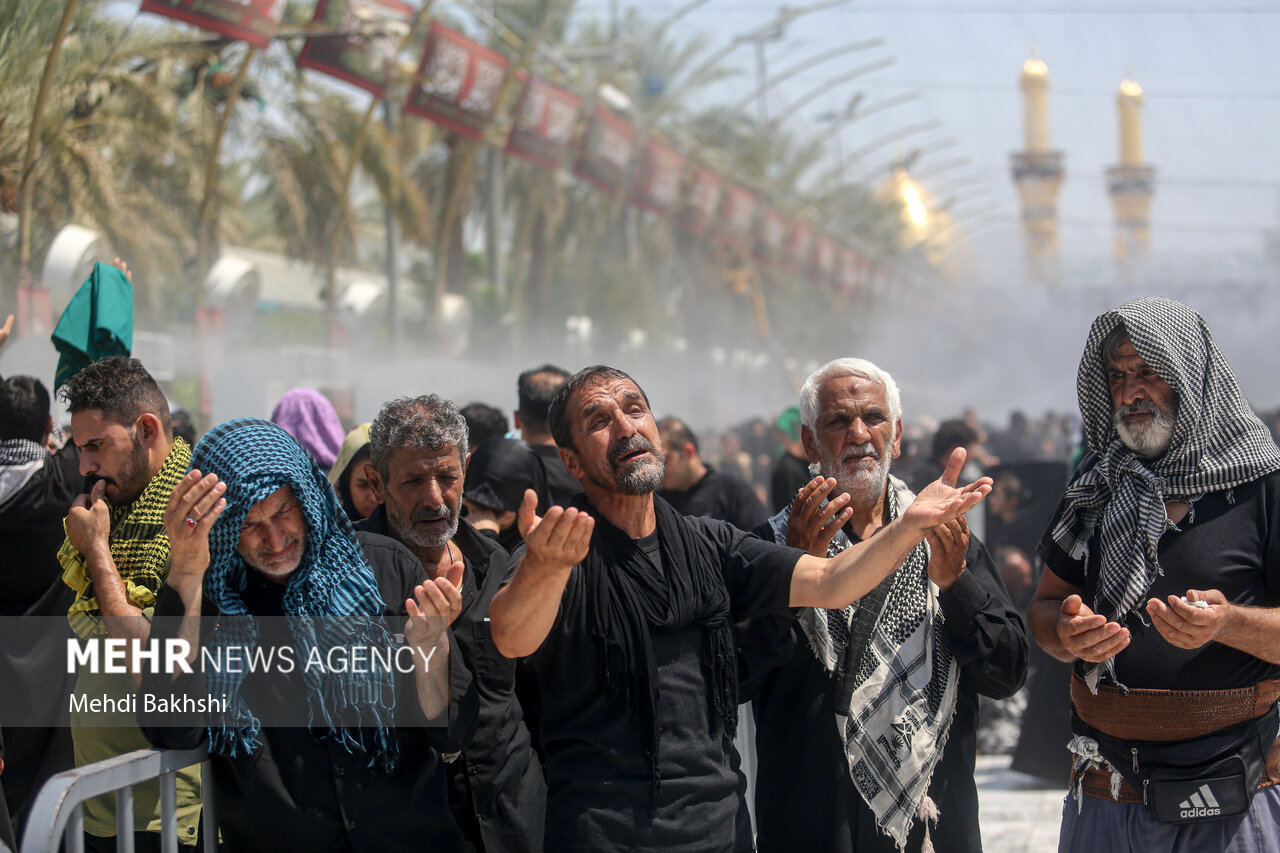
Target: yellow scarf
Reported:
[(139, 547)]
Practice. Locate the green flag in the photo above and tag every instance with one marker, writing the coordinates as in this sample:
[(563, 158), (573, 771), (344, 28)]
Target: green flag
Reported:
[(97, 323)]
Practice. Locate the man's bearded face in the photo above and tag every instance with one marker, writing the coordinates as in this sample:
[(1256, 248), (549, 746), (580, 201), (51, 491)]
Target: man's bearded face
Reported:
[(854, 438), (1145, 406)]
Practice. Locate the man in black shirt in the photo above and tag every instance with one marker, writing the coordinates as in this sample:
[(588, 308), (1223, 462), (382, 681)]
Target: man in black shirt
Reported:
[(1161, 584), (693, 487), (36, 487), (867, 734), (419, 465), (535, 389), (316, 755), (625, 606)]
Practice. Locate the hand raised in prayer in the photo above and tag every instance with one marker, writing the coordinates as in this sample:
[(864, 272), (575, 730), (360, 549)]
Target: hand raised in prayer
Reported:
[(1187, 625), (948, 545), (813, 524), (434, 606), (558, 540), (88, 521), (194, 505), (1088, 635), (941, 501)]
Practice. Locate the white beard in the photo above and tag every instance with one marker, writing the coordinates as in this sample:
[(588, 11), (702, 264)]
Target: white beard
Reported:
[(1152, 439)]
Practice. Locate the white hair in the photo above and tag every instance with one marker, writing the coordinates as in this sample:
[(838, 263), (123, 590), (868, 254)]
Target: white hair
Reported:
[(859, 368)]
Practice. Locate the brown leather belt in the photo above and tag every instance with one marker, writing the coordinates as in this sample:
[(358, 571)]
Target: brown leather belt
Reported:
[(1168, 715), (1097, 782)]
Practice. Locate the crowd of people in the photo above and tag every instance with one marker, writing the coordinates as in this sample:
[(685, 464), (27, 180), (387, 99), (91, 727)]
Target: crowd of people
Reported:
[(602, 631)]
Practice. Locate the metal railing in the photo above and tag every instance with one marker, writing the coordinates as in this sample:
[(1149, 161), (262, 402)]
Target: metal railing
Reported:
[(59, 806)]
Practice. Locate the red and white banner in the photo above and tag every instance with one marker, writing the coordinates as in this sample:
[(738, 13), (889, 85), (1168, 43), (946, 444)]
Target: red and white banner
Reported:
[(702, 200), (361, 60), (545, 117), (657, 182), (604, 158), (771, 237), (251, 21), (737, 213), (457, 83)]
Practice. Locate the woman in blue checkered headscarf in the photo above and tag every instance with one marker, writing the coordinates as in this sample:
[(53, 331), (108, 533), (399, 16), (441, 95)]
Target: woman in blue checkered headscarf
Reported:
[(331, 598)]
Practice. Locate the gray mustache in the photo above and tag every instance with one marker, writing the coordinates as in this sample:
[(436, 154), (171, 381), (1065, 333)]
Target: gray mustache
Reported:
[(635, 442), (1134, 408), (428, 514), (864, 449)]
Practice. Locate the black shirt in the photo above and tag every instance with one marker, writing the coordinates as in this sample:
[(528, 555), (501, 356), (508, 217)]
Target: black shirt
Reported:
[(1230, 541), (560, 485), (805, 799), (721, 496), (295, 792), (496, 787), (790, 473), (598, 777)]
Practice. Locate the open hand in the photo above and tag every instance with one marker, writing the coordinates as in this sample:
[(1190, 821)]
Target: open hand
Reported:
[(1088, 635), (558, 540), (6, 329), (948, 546), (1186, 625), (941, 501), (194, 505), (813, 524), (434, 606)]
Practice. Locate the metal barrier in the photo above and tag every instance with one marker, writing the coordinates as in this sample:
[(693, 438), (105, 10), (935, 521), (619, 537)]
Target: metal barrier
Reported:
[(59, 806)]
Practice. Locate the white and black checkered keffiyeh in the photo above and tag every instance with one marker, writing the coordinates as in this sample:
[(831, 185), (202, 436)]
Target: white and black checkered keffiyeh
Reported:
[(1218, 444), (20, 460), (895, 679)]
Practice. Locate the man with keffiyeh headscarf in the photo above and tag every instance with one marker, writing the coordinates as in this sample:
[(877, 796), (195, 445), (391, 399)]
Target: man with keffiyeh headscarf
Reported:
[(1162, 581), (625, 607), (308, 757), (867, 725)]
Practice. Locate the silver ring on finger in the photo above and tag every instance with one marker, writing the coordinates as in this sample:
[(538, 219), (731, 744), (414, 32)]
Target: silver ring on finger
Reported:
[(192, 522)]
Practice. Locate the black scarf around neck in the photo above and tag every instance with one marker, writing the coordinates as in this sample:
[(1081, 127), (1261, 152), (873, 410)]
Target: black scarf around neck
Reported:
[(628, 597)]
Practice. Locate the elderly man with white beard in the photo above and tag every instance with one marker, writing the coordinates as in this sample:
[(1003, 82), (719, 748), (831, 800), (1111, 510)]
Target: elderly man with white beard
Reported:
[(1162, 585), (867, 716)]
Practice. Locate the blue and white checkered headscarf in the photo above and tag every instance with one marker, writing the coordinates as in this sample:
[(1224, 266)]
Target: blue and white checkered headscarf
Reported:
[(331, 599)]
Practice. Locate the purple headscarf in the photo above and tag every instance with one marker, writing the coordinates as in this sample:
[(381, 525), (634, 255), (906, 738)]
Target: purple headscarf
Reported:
[(309, 417)]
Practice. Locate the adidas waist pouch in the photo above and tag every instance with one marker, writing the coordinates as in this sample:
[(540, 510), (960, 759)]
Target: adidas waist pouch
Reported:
[(1205, 778)]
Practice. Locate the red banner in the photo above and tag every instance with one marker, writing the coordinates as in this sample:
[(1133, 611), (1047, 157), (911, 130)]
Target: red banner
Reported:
[(457, 82), (252, 21), (800, 244), (657, 183), (605, 155), (771, 237), (701, 202), (824, 260), (545, 116), (737, 212), (361, 60)]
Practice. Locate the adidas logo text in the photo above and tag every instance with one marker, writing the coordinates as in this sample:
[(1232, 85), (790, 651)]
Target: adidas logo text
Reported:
[(1200, 804)]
